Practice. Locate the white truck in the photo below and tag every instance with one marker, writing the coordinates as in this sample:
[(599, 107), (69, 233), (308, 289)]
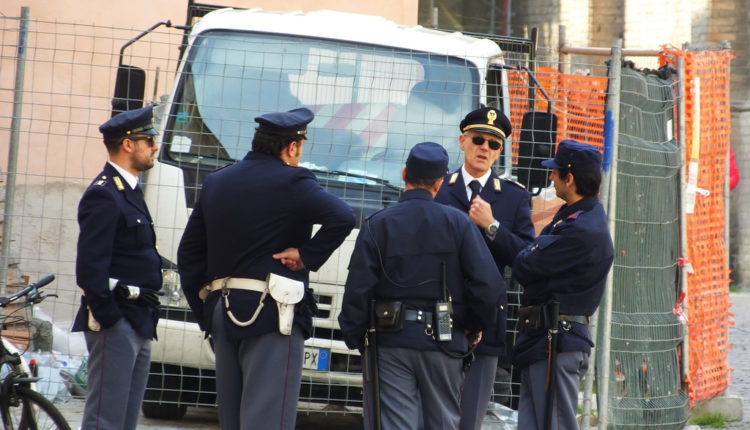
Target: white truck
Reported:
[(376, 89)]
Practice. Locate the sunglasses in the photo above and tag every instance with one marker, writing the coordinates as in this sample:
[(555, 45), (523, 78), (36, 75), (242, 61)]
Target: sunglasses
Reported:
[(493, 144), (149, 139)]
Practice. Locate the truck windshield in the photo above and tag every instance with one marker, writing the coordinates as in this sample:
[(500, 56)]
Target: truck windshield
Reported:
[(371, 103)]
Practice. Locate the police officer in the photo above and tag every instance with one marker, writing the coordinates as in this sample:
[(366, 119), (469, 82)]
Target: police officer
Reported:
[(119, 271), (252, 226), (501, 209), (567, 263), (409, 257)]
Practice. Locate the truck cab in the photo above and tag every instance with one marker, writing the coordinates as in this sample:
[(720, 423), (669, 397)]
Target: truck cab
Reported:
[(376, 89)]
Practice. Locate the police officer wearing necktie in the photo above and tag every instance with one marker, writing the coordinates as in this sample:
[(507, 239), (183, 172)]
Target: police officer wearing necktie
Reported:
[(423, 264), (563, 272), (119, 271), (501, 210), (244, 262)]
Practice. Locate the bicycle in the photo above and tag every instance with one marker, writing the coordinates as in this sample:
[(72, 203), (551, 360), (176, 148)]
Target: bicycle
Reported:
[(21, 407)]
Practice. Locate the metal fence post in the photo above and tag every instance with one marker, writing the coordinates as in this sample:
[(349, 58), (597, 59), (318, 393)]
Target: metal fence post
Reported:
[(605, 314), (15, 131), (681, 121)]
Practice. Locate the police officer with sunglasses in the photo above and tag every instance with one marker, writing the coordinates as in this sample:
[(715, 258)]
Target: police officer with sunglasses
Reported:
[(119, 272), (501, 209)]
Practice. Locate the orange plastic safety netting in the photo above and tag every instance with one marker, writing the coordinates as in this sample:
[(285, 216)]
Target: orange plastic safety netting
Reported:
[(577, 101), (708, 126)]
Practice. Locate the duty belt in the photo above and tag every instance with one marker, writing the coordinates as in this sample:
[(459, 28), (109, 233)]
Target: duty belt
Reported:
[(574, 318), (534, 318), (246, 284), (418, 316)]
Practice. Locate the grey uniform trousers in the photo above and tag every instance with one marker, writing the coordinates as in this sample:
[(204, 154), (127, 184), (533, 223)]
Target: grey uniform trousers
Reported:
[(571, 367), (476, 391), (257, 378), (416, 384), (118, 365)]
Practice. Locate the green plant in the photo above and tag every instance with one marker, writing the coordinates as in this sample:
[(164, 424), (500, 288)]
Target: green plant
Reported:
[(710, 420)]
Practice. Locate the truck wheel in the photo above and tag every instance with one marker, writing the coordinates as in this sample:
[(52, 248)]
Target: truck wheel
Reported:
[(163, 411)]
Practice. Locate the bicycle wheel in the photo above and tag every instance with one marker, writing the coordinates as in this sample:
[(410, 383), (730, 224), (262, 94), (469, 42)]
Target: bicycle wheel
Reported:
[(33, 412)]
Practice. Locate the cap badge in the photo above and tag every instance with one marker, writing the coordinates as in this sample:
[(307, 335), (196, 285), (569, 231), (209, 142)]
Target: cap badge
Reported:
[(491, 117)]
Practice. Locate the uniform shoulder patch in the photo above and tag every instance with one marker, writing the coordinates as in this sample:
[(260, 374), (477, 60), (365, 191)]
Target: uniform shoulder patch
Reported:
[(118, 183), (453, 179), (101, 182), (512, 182)]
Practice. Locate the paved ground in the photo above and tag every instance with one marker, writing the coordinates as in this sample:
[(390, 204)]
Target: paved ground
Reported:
[(739, 360), (739, 356)]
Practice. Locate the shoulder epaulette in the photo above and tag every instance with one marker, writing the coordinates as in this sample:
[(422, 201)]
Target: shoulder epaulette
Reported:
[(518, 184), (223, 167), (453, 179), (118, 183), (367, 218)]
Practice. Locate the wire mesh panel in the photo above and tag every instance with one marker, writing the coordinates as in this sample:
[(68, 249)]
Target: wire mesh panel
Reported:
[(646, 336)]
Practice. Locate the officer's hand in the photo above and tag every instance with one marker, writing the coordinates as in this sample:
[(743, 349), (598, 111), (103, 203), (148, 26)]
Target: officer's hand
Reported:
[(149, 297), (143, 296), (290, 258), (474, 338), (481, 212)]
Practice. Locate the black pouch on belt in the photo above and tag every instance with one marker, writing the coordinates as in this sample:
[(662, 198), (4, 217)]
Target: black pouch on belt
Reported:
[(389, 316), (532, 320)]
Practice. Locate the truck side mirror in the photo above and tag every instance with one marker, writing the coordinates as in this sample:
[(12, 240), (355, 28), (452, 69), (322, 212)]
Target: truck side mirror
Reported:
[(130, 86), (536, 143)]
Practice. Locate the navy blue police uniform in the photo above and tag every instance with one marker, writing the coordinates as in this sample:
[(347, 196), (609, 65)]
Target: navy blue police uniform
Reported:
[(568, 263), (117, 243), (511, 207), (399, 256), (246, 213)]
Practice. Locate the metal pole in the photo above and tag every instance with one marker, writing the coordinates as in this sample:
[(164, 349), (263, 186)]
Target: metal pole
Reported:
[(683, 210), (562, 57), (565, 49), (15, 131), (605, 314)]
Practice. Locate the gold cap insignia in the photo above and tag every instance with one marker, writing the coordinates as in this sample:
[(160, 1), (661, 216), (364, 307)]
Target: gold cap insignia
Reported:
[(491, 117)]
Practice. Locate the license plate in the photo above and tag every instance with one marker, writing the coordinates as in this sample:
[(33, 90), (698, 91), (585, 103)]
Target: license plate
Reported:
[(316, 358)]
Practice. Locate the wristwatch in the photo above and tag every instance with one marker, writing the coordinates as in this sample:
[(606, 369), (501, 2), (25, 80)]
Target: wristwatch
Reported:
[(492, 229)]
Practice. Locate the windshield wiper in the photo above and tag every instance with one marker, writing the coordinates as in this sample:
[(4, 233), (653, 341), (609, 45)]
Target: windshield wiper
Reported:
[(356, 175)]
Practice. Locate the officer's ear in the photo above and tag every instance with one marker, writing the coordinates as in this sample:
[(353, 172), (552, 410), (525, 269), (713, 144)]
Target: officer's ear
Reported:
[(289, 152), (436, 186), (127, 145)]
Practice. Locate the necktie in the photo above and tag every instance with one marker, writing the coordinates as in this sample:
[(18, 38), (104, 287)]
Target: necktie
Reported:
[(475, 188)]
